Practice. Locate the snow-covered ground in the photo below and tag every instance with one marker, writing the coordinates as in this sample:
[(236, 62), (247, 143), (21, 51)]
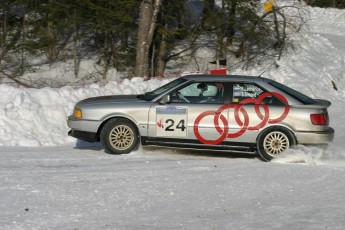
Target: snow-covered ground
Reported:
[(50, 181), (66, 188)]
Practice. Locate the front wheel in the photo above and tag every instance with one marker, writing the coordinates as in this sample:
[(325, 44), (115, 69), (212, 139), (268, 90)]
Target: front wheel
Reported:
[(273, 142), (119, 136)]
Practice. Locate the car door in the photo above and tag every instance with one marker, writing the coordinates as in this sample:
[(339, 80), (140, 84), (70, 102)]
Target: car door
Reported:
[(188, 113), (252, 108)]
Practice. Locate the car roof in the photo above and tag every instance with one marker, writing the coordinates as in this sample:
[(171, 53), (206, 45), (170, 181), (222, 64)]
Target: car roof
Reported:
[(225, 78)]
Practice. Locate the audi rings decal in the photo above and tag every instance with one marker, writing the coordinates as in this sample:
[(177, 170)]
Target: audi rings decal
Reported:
[(244, 124)]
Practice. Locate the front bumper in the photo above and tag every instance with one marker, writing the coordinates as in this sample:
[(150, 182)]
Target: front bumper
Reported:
[(83, 129), (315, 137), (83, 125), (82, 135)]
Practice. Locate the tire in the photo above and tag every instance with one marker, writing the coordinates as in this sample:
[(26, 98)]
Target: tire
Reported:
[(273, 142), (119, 136)]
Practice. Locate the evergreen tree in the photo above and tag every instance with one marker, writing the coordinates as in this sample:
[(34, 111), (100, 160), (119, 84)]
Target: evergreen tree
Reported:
[(13, 40), (146, 30), (172, 28), (109, 29)]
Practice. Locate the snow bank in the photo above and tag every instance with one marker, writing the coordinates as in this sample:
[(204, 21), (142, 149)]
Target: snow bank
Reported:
[(37, 117), (327, 21)]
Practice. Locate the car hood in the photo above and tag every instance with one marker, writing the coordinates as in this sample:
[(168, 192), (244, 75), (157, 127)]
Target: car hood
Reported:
[(109, 100)]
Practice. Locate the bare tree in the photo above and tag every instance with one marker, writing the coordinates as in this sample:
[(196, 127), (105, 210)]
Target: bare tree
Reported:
[(149, 10)]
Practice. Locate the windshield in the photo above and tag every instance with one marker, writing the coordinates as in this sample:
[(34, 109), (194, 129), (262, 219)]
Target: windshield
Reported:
[(153, 94)]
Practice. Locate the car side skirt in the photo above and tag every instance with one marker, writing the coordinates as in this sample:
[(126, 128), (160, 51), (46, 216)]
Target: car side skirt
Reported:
[(195, 144)]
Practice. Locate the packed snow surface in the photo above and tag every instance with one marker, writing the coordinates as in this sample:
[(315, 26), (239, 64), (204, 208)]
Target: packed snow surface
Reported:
[(83, 188), (52, 181)]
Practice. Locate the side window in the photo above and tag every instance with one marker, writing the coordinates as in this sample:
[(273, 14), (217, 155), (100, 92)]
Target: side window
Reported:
[(243, 91), (190, 90), (199, 92)]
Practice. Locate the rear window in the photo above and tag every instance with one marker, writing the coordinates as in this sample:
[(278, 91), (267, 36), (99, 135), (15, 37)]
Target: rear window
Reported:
[(245, 91), (293, 93)]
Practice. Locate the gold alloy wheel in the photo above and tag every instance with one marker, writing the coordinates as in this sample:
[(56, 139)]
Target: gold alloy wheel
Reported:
[(121, 137), (275, 143)]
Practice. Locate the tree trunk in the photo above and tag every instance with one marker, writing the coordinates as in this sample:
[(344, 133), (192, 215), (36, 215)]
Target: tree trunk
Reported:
[(149, 10), (23, 41), (3, 36), (105, 55), (208, 14), (276, 28), (231, 23), (161, 56), (51, 48), (50, 33), (75, 46)]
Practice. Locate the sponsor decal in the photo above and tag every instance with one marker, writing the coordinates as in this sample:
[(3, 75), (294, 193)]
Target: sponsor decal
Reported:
[(244, 124), (171, 110), (171, 121)]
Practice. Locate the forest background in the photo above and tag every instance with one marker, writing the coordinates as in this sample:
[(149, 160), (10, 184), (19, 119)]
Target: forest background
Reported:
[(140, 38)]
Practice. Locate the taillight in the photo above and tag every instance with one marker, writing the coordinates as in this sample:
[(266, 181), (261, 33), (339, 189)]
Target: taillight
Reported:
[(319, 119)]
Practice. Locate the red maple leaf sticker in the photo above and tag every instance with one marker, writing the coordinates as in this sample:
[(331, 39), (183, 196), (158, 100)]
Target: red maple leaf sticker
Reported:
[(159, 124)]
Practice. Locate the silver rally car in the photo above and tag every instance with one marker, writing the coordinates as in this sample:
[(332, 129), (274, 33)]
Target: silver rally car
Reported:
[(213, 112)]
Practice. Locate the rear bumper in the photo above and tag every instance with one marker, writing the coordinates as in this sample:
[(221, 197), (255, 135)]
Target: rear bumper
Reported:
[(315, 137)]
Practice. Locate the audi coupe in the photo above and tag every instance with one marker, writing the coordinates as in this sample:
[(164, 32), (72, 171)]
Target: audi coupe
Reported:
[(212, 112)]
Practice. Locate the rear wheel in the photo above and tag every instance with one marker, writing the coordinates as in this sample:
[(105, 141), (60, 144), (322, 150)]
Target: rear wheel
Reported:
[(273, 142), (119, 136)]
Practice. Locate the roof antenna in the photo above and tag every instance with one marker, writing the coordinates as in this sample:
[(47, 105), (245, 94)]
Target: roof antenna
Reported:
[(267, 69)]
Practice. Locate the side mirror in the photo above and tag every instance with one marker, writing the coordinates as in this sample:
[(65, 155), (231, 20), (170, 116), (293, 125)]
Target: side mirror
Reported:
[(165, 99)]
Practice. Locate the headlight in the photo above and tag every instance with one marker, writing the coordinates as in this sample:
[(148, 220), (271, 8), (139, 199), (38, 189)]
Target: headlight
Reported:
[(77, 113)]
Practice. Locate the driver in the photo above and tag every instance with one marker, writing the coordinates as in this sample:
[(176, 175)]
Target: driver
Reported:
[(203, 88)]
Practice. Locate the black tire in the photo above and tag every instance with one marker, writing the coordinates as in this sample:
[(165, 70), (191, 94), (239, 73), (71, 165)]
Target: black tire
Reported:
[(119, 136), (274, 141)]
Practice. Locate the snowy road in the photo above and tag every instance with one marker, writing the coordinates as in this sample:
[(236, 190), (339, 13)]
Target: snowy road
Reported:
[(67, 188)]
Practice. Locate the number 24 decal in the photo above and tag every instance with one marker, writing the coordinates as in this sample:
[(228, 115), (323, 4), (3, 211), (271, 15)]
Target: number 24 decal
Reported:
[(171, 123)]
